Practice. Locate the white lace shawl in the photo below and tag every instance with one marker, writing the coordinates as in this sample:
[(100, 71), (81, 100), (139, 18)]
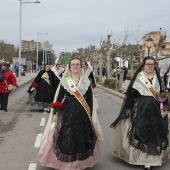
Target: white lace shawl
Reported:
[(45, 75), (142, 89), (56, 72), (82, 85), (88, 71)]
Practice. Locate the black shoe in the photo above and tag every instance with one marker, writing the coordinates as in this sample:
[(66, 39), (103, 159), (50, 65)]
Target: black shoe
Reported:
[(5, 110), (1, 108)]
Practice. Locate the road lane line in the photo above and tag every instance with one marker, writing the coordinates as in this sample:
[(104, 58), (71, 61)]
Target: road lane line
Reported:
[(32, 166), (38, 140), (42, 123)]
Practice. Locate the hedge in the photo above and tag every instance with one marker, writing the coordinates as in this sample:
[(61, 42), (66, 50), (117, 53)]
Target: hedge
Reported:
[(110, 83)]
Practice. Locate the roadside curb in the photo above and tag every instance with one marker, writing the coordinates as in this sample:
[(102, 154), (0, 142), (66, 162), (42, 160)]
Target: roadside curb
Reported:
[(22, 84), (26, 82), (111, 91)]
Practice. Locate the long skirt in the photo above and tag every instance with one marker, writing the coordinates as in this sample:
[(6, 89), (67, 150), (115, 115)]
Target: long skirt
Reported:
[(49, 159), (73, 144), (121, 148), (39, 105)]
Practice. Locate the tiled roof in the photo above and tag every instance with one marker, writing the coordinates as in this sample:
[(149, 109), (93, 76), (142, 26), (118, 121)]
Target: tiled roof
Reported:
[(152, 33)]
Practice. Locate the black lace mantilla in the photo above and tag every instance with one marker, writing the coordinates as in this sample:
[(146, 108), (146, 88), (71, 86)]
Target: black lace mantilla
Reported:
[(145, 148)]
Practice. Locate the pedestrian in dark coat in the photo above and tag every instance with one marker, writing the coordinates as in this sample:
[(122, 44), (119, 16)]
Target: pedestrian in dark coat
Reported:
[(125, 71)]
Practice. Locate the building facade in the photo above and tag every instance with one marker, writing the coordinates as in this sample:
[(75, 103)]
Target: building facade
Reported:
[(159, 39), (29, 45), (32, 46)]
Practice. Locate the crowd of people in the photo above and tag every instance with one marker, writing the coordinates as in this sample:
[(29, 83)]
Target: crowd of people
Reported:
[(72, 136)]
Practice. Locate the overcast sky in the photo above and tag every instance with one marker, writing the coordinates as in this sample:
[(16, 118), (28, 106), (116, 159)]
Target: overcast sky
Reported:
[(72, 24)]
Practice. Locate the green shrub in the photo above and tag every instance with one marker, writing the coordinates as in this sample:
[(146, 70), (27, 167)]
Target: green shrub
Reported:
[(97, 79), (128, 77), (110, 83)]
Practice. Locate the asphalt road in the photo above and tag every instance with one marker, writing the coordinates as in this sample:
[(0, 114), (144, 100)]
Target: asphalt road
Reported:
[(20, 126)]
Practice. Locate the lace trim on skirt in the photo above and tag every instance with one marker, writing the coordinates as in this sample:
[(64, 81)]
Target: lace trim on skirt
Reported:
[(143, 147), (74, 136)]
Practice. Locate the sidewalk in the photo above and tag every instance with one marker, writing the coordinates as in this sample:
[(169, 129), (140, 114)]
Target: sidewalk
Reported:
[(125, 84), (121, 95), (24, 79)]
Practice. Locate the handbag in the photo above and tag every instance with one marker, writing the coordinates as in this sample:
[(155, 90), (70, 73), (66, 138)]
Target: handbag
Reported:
[(10, 86)]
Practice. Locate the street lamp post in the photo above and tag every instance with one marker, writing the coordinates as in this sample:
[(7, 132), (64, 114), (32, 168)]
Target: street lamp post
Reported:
[(43, 62), (149, 44), (20, 26), (38, 34), (48, 57)]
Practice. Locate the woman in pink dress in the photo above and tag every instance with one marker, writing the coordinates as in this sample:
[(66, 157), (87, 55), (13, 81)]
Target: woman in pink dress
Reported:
[(74, 142)]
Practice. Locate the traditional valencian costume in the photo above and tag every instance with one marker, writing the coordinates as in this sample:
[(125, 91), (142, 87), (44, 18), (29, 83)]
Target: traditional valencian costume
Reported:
[(90, 74), (74, 143), (42, 90), (143, 138), (58, 73), (167, 79)]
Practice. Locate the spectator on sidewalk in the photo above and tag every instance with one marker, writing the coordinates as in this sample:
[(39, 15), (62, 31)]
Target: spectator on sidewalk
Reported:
[(125, 71), (141, 135), (25, 67), (6, 78), (16, 68), (98, 70), (104, 72), (118, 72), (22, 70)]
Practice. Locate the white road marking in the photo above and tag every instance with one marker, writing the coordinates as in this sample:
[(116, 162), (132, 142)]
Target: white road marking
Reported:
[(42, 123), (32, 166), (38, 140)]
